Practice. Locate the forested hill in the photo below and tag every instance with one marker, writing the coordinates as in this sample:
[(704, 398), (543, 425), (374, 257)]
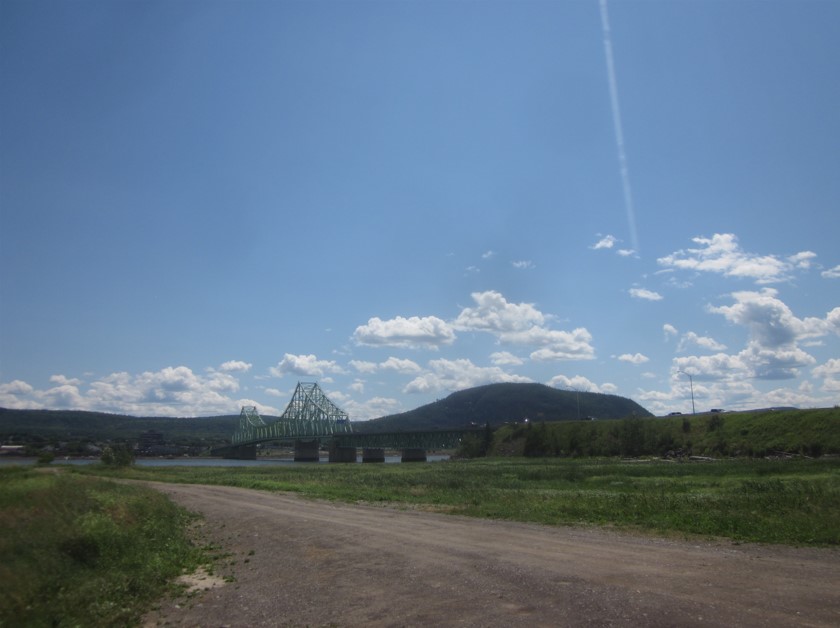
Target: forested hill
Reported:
[(502, 403), (78, 425)]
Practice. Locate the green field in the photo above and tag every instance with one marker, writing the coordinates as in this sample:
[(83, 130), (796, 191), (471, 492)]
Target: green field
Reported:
[(781, 501), (82, 551)]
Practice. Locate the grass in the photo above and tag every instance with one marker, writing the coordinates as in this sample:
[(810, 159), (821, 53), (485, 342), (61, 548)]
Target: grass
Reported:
[(83, 551), (783, 501)]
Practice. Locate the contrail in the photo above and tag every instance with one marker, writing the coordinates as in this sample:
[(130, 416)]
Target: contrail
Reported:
[(619, 133)]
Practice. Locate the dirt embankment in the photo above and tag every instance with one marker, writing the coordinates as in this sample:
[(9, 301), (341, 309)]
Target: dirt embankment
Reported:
[(294, 562)]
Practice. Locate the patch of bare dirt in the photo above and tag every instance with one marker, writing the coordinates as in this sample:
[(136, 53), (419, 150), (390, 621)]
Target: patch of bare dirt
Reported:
[(294, 562)]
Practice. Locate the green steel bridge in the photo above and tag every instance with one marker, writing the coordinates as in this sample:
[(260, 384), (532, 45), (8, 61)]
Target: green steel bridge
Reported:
[(311, 420)]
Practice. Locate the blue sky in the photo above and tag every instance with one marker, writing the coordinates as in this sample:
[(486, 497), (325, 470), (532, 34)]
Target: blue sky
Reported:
[(203, 203)]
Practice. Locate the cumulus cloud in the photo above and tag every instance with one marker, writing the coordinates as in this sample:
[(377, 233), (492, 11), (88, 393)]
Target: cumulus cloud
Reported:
[(581, 384), (304, 365), (363, 366), (493, 313), (451, 375), (642, 293), (428, 332), (559, 345), (372, 408), (16, 387), (524, 324), (400, 365), (770, 320), (723, 255), (505, 358), (633, 358), (692, 339), (802, 260), (61, 380), (831, 273), (607, 242), (171, 391), (669, 330), (830, 374), (235, 366), (772, 351)]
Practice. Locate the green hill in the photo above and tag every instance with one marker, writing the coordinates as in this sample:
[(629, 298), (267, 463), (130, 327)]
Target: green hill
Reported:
[(78, 425), (498, 404), (760, 433)]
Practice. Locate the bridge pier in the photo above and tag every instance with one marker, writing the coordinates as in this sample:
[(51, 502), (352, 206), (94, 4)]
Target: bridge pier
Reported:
[(373, 454), (307, 451), (413, 454), (342, 454)]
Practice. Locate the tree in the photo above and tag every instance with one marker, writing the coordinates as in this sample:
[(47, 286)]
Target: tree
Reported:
[(118, 455)]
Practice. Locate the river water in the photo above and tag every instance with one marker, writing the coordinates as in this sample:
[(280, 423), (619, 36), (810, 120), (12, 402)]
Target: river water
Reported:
[(198, 462)]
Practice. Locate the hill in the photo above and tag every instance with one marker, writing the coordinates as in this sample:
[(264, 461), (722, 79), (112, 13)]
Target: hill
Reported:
[(759, 433), (78, 425), (497, 404)]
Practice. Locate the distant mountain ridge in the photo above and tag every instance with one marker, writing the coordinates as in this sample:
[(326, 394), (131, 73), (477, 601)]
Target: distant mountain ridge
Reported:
[(497, 404)]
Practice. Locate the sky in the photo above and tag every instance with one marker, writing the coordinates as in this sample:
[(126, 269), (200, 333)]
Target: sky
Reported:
[(204, 203)]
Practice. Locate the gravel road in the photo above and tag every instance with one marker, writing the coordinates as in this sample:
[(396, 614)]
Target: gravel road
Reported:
[(295, 562)]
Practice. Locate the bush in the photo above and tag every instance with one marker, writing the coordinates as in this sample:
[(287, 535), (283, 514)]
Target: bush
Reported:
[(120, 455)]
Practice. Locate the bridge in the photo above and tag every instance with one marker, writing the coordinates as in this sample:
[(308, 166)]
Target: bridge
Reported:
[(312, 421)]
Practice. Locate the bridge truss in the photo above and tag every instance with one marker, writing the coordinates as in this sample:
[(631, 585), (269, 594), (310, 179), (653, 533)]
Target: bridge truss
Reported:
[(309, 415)]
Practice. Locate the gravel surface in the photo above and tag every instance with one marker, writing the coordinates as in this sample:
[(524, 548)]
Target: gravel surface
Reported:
[(295, 562)]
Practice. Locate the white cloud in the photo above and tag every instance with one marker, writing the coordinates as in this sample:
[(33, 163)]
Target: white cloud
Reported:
[(802, 260), (581, 384), (770, 321), (428, 332), (61, 380), (523, 264), (16, 387), (557, 345), (400, 365), (722, 254), (495, 314), (705, 342), (372, 408), (634, 358), (505, 358), (642, 293), (171, 391), (523, 324), (237, 366), (719, 366), (488, 254), (830, 374), (669, 330), (831, 273), (363, 366), (607, 242), (625, 252), (304, 365), (451, 375)]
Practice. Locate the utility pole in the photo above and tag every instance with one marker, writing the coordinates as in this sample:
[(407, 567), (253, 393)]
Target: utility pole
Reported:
[(691, 385)]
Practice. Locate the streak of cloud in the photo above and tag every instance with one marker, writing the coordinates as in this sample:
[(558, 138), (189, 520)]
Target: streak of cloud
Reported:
[(619, 132)]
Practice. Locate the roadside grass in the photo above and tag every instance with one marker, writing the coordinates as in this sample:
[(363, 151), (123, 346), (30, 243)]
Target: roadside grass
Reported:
[(773, 501), (84, 551)]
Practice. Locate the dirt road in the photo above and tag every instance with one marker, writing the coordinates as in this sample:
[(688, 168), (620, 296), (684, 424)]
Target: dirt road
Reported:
[(295, 562)]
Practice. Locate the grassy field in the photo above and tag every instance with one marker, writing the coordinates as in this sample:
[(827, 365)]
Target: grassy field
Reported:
[(781, 501), (82, 551)]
